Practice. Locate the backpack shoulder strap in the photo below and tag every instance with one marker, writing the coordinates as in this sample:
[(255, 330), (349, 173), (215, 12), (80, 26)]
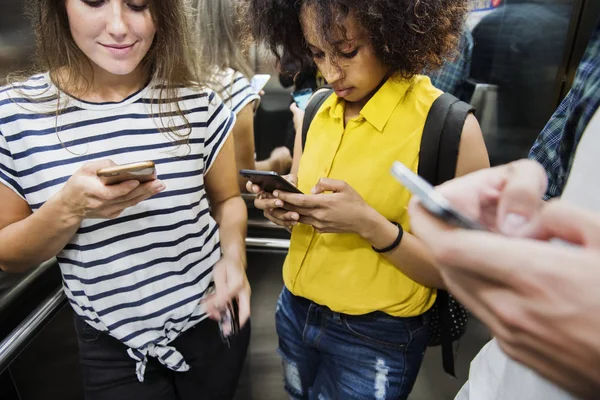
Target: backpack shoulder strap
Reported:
[(438, 158), (441, 139), (311, 111)]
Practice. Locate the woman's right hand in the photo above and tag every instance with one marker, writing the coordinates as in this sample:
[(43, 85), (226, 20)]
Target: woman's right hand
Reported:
[(85, 196), (273, 208)]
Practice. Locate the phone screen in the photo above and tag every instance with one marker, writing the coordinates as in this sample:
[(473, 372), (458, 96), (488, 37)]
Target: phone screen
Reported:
[(269, 181), (432, 200), (302, 97)]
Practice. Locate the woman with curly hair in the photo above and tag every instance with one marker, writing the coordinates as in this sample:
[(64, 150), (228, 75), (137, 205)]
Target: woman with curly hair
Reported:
[(353, 316)]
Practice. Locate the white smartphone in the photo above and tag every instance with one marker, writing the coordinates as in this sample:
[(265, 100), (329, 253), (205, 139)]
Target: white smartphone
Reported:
[(259, 81), (431, 200)]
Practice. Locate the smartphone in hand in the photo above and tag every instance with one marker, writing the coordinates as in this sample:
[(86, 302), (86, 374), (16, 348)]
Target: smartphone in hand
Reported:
[(141, 171), (433, 201), (269, 181), (302, 97)]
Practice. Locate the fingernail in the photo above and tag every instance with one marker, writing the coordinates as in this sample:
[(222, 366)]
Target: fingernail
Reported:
[(513, 223), (279, 203), (161, 186), (295, 216), (313, 190), (276, 194)]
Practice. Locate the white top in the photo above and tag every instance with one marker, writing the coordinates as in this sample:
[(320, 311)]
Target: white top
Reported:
[(493, 375), (141, 276), (235, 90)]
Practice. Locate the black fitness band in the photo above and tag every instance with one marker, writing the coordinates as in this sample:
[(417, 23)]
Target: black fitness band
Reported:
[(396, 242)]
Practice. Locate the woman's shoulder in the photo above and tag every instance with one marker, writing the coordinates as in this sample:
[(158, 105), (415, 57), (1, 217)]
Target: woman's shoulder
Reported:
[(36, 91), (424, 94), (230, 77), (192, 94), (29, 87), (200, 101), (422, 84)]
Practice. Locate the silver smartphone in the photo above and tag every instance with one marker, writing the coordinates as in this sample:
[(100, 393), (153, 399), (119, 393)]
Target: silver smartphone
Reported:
[(431, 200)]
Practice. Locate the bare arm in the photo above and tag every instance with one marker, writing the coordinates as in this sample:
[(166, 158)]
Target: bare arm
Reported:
[(243, 134), (413, 257), (298, 150), (28, 239), (227, 206), (229, 210), (298, 122)]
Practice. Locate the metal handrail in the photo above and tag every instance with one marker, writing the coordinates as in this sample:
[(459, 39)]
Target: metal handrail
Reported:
[(17, 339), (268, 243), (264, 224), (14, 292)]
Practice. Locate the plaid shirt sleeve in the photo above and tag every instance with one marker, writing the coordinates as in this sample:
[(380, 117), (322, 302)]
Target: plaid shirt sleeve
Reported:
[(456, 71), (556, 146), (546, 148)]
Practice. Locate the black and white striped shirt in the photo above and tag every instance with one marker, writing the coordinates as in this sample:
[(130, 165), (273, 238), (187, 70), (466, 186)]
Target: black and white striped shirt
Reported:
[(235, 90), (141, 276)]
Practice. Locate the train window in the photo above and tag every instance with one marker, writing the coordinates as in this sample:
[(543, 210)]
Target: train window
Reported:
[(516, 69)]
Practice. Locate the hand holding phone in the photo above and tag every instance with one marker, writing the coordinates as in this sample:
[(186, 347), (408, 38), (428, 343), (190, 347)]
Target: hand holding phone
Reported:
[(431, 200), (269, 181), (302, 98), (141, 171)]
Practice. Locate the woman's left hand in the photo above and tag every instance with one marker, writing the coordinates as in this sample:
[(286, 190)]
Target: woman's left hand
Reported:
[(333, 207), (231, 283)]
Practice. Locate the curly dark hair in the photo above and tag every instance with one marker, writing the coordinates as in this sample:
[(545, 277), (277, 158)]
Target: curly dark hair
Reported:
[(408, 36)]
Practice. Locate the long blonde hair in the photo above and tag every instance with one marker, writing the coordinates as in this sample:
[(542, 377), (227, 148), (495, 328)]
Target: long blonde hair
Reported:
[(171, 61), (222, 36)]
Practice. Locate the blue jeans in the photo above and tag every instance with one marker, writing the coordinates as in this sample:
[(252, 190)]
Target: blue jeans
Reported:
[(328, 355)]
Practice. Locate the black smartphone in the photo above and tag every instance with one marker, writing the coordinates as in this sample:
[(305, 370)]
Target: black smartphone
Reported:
[(436, 204), (302, 97), (269, 181)]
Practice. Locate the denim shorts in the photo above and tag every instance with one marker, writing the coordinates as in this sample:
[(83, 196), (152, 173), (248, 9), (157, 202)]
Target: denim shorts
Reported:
[(328, 355)]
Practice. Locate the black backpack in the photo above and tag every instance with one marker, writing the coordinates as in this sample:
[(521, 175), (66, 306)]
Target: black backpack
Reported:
[(437, 164)]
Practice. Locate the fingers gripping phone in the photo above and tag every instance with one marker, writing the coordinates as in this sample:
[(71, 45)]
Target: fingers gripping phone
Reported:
[(436, 204), (302, 97), (269, 181), (141, 171), (229, 323)]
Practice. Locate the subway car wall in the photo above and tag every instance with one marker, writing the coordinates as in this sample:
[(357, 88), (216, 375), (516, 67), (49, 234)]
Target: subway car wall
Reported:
[(519, 64)]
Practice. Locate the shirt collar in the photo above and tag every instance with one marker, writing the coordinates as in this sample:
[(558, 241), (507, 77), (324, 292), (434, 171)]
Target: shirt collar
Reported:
[(379, 109)]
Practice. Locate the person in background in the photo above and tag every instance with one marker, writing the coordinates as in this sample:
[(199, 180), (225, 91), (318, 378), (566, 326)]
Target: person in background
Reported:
[(455, 72), (148, 268), (555, 147), (353, 317), (222, 41), (519, 49)]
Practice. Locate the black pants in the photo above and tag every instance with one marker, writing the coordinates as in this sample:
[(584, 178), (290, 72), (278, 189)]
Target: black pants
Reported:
[(215, 368)]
